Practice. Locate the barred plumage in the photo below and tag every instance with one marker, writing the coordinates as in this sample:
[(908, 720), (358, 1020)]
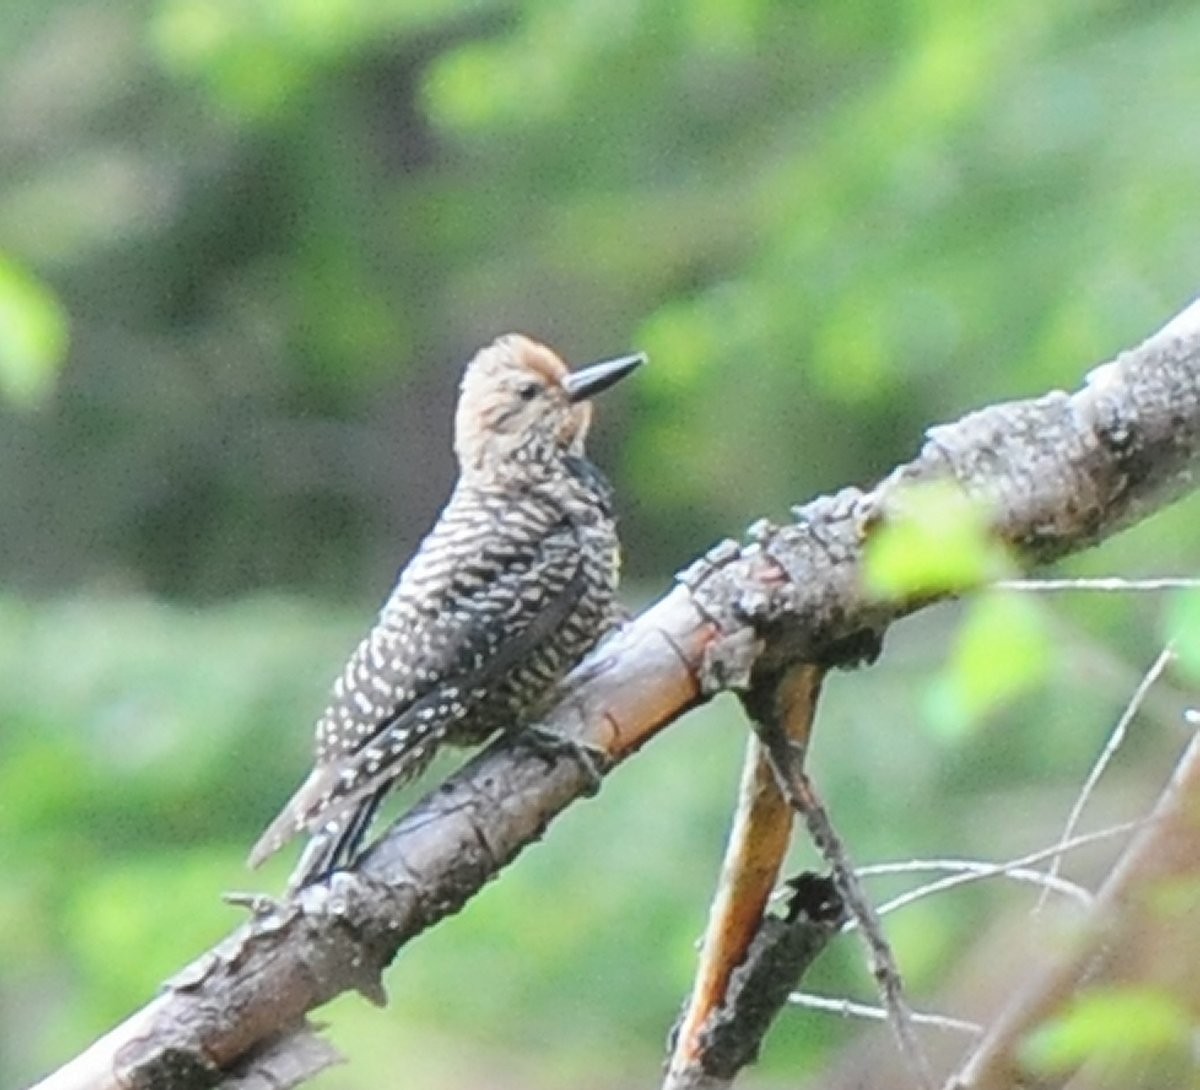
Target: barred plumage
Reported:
[(511, 587)]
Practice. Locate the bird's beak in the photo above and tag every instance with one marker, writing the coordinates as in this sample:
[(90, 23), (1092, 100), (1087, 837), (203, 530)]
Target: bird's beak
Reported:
[(580, 385)]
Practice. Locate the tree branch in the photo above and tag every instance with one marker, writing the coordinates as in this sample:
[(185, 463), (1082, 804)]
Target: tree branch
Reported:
[(779, 954), (800, 792), (1123, 922), (758, 844), (1058, 473)]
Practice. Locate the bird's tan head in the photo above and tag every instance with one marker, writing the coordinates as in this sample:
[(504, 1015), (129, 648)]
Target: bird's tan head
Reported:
[(519, 404)]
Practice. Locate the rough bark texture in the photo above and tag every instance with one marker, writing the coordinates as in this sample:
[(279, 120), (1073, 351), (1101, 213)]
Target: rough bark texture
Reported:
[(1059, 472), (779, 955), (754, 856)]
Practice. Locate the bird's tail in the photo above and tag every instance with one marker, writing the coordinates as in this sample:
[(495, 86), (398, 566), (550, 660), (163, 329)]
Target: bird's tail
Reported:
[(336, 843), (334, 793), (293, 819)]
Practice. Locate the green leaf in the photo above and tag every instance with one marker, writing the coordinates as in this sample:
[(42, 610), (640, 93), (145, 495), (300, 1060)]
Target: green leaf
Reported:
[(851, 352), (1183, 630), (935, 540), (33, 337), (120, 930), (1002, 651), (1116, 1027)]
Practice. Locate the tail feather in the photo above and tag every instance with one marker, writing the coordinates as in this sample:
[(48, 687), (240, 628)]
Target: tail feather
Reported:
[(334, 792), (336, 843), (292, 820)]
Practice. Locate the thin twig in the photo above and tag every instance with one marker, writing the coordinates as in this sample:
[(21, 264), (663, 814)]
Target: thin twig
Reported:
[(1112, 584), (968, 871), (994, 870), (848, 1008), (798, 789), (976, 868), (1123, 916), (1115, 740)]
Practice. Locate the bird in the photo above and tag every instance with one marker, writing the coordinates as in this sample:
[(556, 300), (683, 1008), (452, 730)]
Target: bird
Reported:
[(512, 586)]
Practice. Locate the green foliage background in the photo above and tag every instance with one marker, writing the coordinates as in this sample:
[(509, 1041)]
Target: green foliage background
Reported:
[(244, 251)]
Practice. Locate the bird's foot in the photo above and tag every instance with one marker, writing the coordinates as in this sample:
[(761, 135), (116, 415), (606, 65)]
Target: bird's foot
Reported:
[(550, 745)]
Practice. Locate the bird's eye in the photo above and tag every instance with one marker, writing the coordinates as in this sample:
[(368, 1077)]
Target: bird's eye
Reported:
[(529, 391)]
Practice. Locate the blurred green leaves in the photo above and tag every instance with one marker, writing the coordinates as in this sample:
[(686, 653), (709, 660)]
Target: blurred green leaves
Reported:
[(1001, 651), (33, 337), (295, 219), (254, 59), (127, 716), (141, 745), (934, 540), (1120, 1029), (127, 923)]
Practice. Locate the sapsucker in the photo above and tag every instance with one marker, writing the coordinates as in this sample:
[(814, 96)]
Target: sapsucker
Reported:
[(511, 587)]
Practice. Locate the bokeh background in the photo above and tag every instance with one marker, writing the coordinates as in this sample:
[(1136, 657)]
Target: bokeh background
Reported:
[(245, 249)]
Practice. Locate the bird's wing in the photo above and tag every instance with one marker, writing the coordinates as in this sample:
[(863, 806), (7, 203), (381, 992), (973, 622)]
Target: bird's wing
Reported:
[(501, 613)]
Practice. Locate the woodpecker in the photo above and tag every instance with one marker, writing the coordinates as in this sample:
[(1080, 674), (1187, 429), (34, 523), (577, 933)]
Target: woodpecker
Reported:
[(513, 585)]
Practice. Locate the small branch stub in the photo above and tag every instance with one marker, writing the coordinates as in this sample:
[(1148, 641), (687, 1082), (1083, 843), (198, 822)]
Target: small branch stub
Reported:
[(782, 950)]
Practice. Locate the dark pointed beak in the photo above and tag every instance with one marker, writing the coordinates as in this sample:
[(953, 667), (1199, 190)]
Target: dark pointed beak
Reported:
[(580, 385)]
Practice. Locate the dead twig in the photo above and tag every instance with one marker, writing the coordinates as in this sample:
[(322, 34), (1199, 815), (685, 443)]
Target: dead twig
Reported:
[(1123, 921), (798, 789), (1115, 739), (758, 843)]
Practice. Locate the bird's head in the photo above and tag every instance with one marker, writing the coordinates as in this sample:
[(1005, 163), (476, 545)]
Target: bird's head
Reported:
[(519, 404)]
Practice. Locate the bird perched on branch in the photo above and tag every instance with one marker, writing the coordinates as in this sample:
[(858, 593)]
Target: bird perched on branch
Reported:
[(512, 586)]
